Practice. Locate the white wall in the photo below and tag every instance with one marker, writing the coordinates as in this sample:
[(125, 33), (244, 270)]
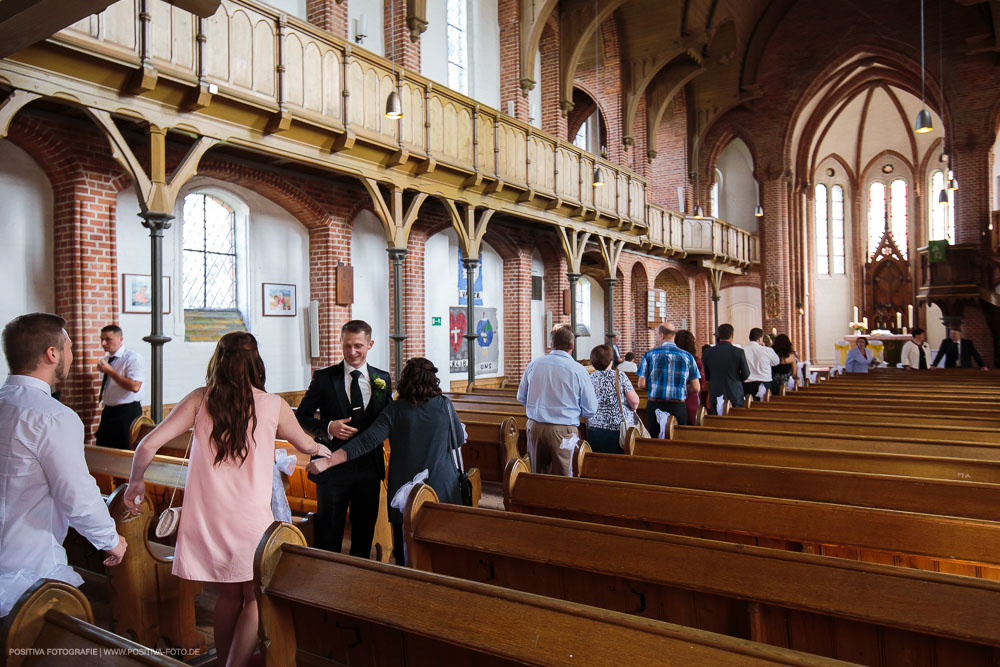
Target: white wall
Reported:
[(584, 344), (26, 253), (995, 180), (371, 284), (738, 195), (834, 310), (296, 8), (535, 94), (374, 13), (538, 309), (275, 248), (434, 44), (936, 331), (441, 293), (741, 307)]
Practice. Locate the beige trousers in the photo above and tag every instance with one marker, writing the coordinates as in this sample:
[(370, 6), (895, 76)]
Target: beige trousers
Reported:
[(545, 450)]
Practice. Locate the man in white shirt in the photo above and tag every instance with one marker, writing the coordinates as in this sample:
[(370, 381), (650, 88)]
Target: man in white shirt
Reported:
[(628, 365), (917, 353), (44, 483), (121, 379), (760, 359)]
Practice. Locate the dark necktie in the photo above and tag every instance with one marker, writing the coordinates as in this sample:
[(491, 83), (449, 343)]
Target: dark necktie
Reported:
[(357, 400), (104, 380), (923, 358)]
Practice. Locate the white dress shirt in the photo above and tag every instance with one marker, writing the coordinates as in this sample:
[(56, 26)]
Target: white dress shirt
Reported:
[(127, 364), (760, 358), (364, 382), (44, 487)]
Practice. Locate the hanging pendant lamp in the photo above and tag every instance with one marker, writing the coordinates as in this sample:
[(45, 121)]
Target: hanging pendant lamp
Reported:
[(758, 212), (598, 178), (393, 107), (924, 123), (943, 196), (698, 213)]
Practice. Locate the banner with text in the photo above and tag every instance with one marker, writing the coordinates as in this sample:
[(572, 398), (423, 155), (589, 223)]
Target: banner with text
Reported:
[(487, 343)]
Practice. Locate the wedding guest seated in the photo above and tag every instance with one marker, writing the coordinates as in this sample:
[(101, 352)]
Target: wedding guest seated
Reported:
[(423, 430), (227, 496), (788, 363), (859, 359), (616, 402), (628, 366)]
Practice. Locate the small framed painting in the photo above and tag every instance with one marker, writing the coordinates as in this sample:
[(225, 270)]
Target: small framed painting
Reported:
[(278, 300), (137, 293)]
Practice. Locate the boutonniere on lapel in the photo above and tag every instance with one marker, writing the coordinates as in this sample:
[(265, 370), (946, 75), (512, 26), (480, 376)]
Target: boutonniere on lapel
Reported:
[(379, 387)]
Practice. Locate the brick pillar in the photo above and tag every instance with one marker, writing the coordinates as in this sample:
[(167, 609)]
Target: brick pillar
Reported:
[(407, 51), (510, 59), (517, 313), (972, 215), (328, 244), (414, 292), (553, 120), (330, 15), (775, 242)]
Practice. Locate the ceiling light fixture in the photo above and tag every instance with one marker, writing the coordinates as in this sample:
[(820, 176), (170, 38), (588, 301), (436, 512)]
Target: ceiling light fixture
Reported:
[(598, 177), (924, 123), (943, 196), (393, 106)]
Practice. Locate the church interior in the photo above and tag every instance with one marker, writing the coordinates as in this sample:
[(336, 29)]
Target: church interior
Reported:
[(467, 175)]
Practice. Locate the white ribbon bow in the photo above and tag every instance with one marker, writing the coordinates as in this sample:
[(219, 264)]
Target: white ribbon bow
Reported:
[(761, 392), (719, 403), (283, 463), (662, 418)]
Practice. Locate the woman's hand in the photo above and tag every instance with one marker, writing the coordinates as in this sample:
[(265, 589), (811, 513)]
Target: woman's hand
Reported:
[(135, 493), (322, 451), (317, 466)]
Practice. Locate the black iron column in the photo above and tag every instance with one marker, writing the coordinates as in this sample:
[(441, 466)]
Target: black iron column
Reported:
[(470, 265), (156, 222), (397, 255), (573, 277), (609, 336)]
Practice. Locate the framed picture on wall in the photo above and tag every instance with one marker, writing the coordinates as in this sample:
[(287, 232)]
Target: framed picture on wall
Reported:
[(278, 300), (137, 293)]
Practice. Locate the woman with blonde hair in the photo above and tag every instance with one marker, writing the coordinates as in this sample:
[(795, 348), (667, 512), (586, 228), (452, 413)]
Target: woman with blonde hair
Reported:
[(227, 495)]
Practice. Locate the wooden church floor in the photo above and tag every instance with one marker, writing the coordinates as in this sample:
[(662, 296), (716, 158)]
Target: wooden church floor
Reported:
[(97, 594)]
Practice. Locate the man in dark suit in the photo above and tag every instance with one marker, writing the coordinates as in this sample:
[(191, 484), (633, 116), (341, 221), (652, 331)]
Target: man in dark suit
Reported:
[(349, 396), (726, 369), (958, 352)]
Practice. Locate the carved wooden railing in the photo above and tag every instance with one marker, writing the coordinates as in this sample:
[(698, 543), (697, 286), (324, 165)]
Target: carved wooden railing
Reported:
[(257, 55)]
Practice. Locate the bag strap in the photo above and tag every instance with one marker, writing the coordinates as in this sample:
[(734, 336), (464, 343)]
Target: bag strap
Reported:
[(450, 412), (618, 394), (187, 450)]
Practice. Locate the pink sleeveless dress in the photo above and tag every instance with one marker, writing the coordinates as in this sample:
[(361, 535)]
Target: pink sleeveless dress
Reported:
[(227, 507)]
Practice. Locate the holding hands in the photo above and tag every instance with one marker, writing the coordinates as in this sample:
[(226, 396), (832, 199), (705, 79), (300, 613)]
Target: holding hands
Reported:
[(317, 466)]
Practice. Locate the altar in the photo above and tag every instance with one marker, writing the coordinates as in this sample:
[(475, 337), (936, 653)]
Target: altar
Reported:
[(887, 348)]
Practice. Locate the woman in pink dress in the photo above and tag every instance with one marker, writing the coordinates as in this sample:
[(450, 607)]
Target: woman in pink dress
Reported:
[(227, 495)]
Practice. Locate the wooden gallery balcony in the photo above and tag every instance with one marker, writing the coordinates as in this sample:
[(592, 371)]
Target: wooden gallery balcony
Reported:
[(254, 78)]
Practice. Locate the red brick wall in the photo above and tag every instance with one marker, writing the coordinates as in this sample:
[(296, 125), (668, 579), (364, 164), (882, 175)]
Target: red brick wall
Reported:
[(508, 15), (329, 15)]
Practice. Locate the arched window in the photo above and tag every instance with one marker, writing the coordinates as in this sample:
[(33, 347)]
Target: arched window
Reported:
[(888, 212), (583, 305), (942, 214), (209, 253), (458, 45), (898, 214), (838, 245), (822, 232), (714, 195), (876, 215)]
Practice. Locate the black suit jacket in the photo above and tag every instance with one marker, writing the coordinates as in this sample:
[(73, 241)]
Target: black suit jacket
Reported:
[(328, 394), (949, 350), (726, 370)]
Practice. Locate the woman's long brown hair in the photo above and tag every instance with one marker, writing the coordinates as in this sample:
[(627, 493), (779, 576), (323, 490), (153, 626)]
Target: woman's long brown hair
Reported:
[(233, 371)]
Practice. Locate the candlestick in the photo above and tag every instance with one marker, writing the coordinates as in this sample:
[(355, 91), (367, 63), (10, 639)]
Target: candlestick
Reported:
[(855, 314), (909, 316), (899, 320)]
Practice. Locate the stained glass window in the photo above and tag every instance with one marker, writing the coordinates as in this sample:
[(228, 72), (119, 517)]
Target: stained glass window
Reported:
[(209, 253), (837, 241), (458, 46), (898, 215), (822, 232), (876, 215)]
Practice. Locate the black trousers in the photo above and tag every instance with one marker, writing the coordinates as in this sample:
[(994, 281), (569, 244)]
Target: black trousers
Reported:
[(751, 388), (397, 544), (604, 440), (677, 408), (116, 425), (361, 495)]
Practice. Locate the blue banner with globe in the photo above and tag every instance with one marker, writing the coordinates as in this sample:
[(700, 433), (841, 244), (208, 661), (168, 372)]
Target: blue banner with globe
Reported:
[(487, 343)]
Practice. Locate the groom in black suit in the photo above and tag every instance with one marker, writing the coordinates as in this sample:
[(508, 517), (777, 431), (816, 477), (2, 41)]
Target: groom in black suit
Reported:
[(349, 396)]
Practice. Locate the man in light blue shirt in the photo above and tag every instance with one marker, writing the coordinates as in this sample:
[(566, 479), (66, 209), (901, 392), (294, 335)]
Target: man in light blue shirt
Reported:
[(556, 393)]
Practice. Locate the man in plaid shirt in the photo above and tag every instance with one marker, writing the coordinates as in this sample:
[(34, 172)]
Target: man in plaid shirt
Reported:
[(668, 373)]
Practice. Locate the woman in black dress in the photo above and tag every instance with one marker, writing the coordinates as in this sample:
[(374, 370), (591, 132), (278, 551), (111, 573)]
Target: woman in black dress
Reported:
[(423, 430)]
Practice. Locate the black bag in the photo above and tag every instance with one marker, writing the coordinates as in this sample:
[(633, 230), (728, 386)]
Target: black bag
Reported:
[(464, 484)]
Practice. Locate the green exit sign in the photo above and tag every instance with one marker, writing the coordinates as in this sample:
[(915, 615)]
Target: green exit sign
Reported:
[(435, 321)]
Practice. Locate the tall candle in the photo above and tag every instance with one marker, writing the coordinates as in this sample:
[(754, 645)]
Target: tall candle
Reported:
[(864, 322), (855, 314), (899, 320), (909, 316)]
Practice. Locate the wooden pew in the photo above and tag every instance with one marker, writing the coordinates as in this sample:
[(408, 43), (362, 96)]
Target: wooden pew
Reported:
[(905, 465), (780, 423), (907, 494), (925, 541), (490, 444), (319, 608), (868, 416), (817, 439), (52, 624), (801, 601), (147, 601)]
